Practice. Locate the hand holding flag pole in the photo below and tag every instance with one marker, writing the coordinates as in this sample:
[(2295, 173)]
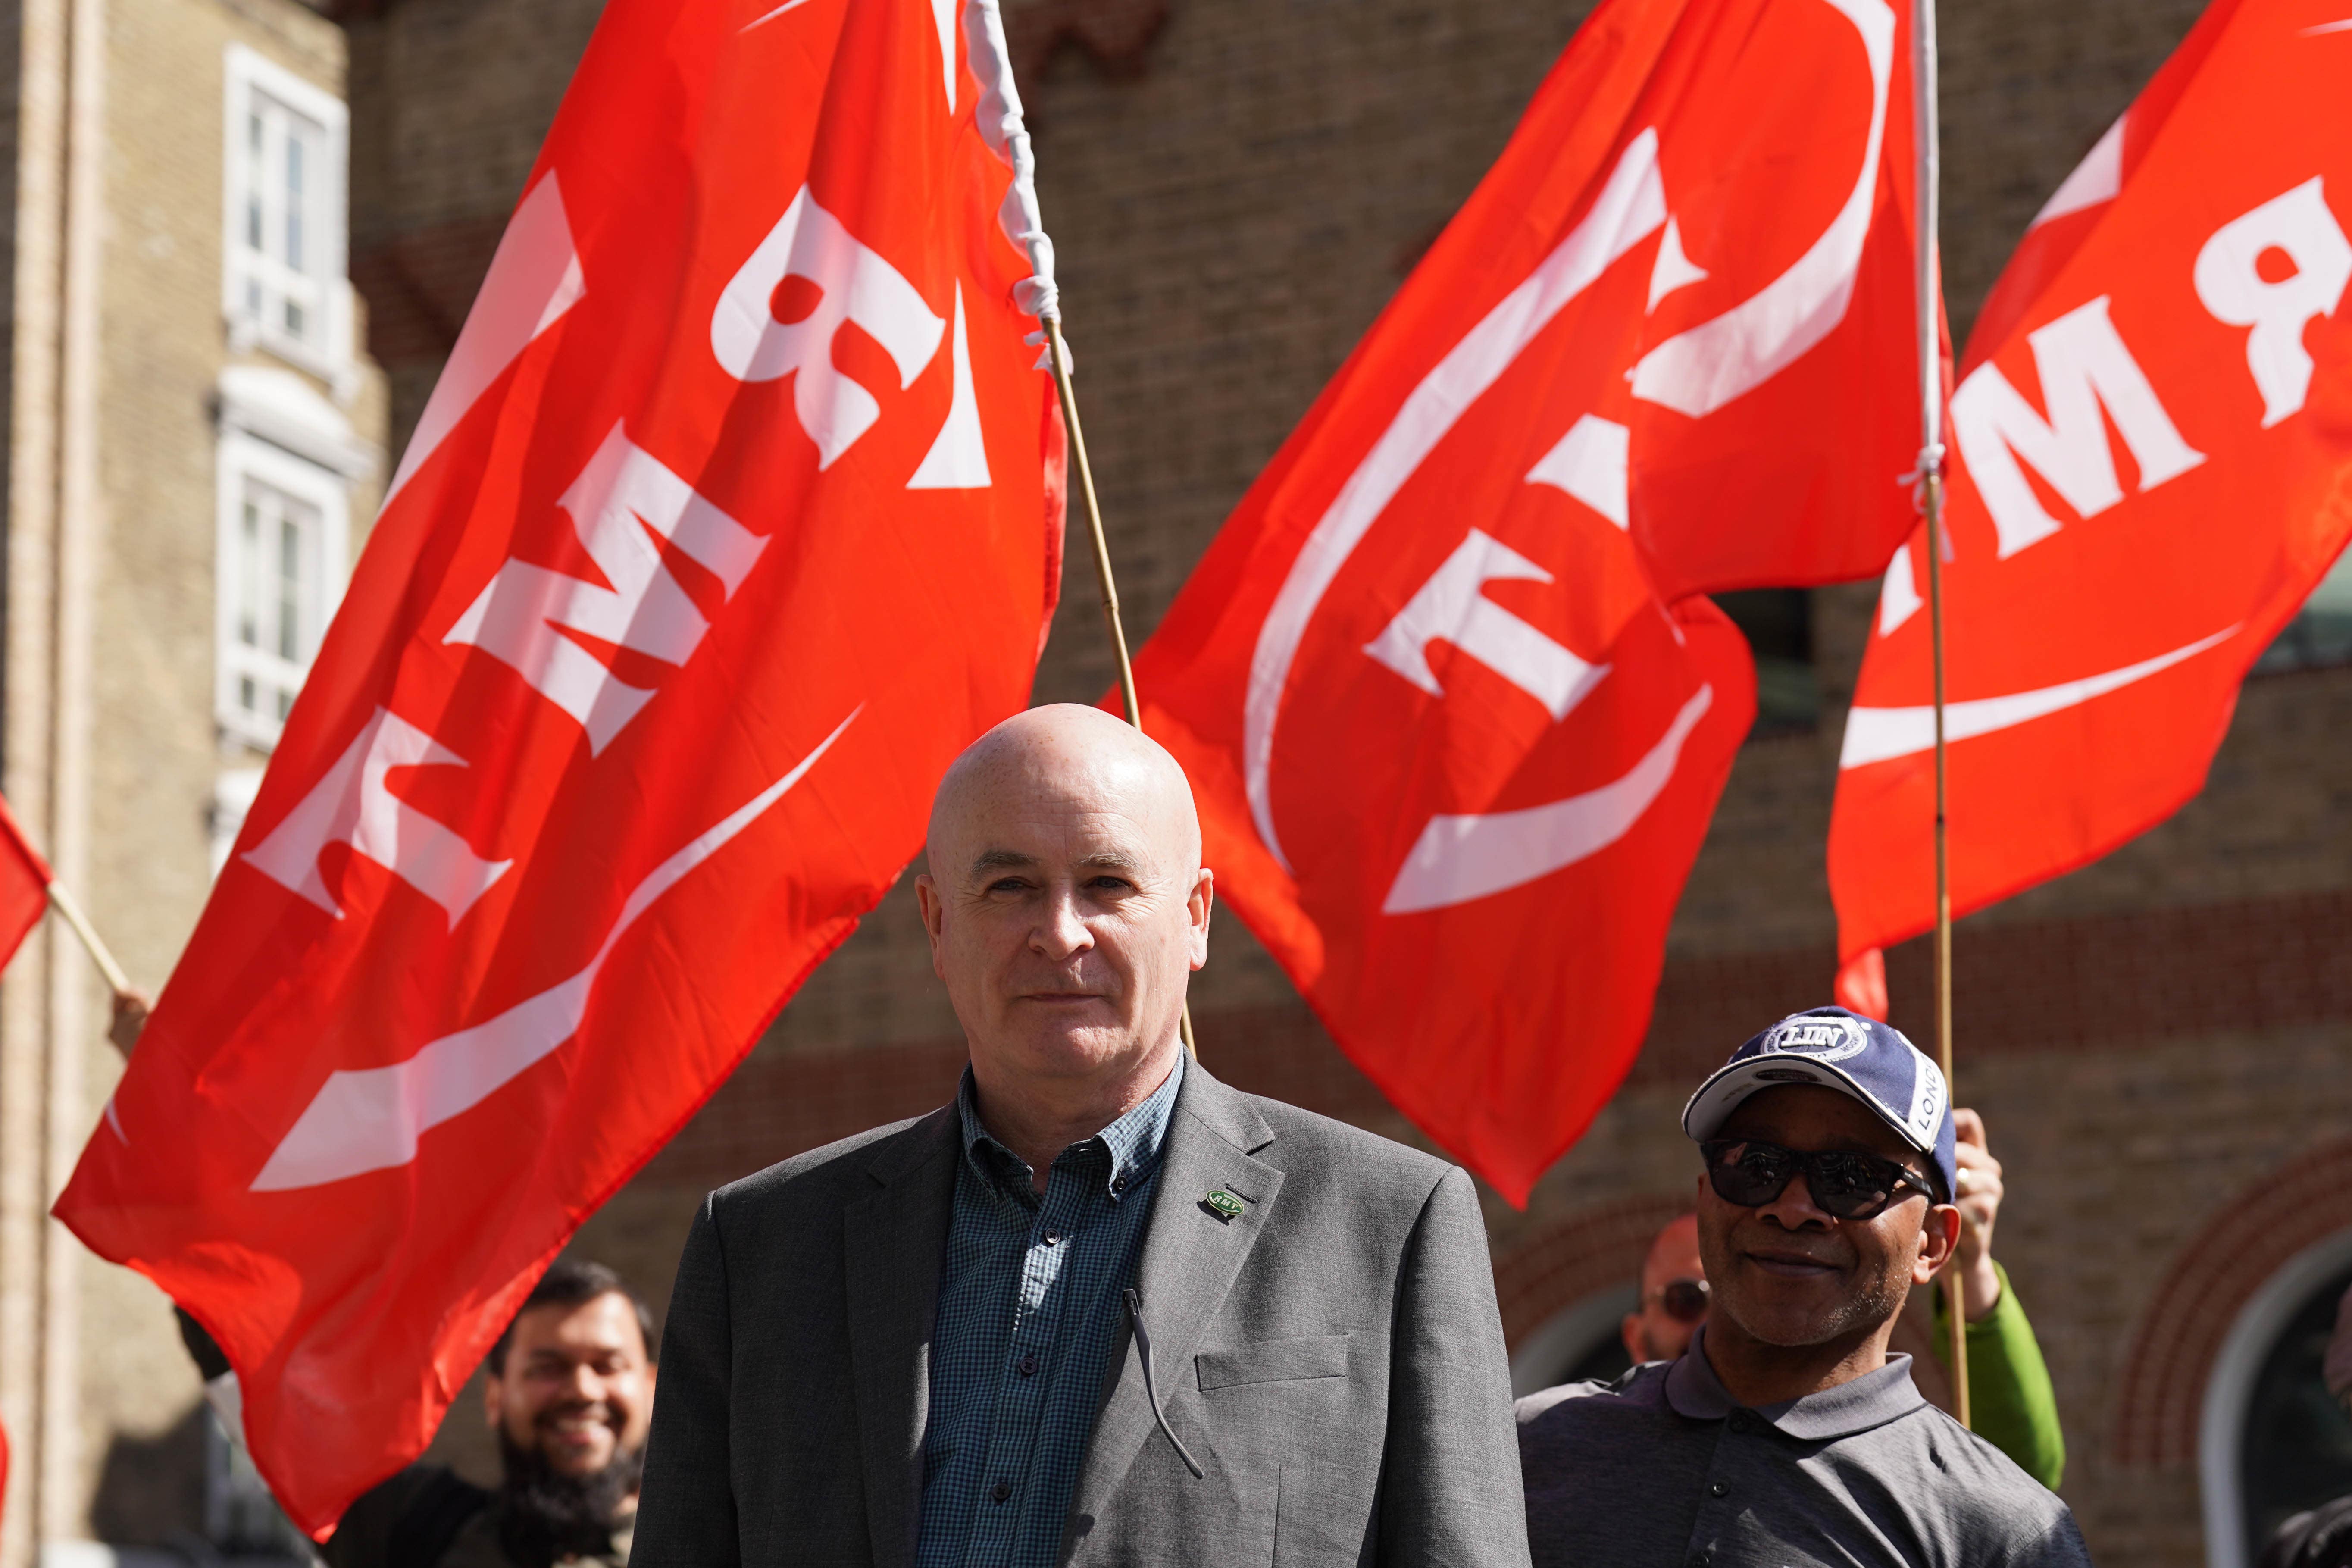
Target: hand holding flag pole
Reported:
[(1930, 475), (31, 883)]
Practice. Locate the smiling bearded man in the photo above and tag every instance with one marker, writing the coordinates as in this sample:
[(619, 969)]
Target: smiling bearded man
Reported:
[(1787, 1435), (568, 1395), (1101, 1308)]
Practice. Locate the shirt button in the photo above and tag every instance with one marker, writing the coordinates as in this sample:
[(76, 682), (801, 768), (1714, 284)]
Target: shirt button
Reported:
[(1002, 1490), (1119, 1184), (1051, 1238), (1028, 1364), (1717, 1490), (1739, 1422)]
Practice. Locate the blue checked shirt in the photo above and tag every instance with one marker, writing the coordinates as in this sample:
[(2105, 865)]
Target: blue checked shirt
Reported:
[(1031, 1303)]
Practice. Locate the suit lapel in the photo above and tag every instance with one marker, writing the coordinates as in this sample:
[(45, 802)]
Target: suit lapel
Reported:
[(893, 1244), (1190, 1258)]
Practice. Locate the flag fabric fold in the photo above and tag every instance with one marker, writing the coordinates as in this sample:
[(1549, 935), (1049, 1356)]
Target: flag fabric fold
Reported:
[(734, 516), (2152, 468)]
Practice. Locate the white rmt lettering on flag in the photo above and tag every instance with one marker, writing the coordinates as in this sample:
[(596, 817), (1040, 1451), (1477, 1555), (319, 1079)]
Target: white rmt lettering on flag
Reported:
[(350, 805), (2084, 369), (370, 1120), (855, 286), (622, 494), (1452, 606)]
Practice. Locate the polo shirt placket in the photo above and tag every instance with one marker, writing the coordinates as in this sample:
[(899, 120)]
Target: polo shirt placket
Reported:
[(1731, 1474)]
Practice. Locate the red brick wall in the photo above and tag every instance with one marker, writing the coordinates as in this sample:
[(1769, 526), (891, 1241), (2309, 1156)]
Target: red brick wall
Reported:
[(2211, 1280)]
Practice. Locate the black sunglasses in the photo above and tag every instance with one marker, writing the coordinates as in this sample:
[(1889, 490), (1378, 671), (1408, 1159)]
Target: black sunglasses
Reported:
[(1845, 1184), (1684, 1299)]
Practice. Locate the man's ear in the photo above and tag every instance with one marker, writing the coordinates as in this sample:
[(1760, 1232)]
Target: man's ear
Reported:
[(934, 911), (1198, 906), (493, 1398), (1939, 1236)]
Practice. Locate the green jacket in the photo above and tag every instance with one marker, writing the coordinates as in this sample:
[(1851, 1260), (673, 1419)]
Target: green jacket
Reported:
[(2012, 1404)]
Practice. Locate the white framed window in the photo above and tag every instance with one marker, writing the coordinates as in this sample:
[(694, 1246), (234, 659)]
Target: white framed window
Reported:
[(284, 241), (283, 536), (285, 465)]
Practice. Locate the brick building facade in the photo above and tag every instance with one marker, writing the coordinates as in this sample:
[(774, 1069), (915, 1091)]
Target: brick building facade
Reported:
[(1235, 187)]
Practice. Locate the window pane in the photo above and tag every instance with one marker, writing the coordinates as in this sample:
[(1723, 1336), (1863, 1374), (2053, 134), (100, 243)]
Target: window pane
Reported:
[(257, 172), (289, 590), (294, 201), (294, 317), (245, 694), (248, 578)]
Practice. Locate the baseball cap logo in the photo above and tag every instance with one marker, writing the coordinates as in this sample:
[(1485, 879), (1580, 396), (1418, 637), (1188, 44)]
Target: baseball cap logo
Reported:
[(1927, 1100), (1823, 1039)]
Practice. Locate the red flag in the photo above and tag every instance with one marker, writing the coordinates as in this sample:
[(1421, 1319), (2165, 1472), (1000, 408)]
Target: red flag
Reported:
[(733, 518), (24, 881), (2153, 436), (1454, 752)]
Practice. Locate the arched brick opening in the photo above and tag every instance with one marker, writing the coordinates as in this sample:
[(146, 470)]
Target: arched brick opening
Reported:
[(1589, 1250), (2162, 1387)]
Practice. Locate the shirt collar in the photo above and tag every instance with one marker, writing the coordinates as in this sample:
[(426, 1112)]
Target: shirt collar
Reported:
[(1130, 1145), (1871, 1400)]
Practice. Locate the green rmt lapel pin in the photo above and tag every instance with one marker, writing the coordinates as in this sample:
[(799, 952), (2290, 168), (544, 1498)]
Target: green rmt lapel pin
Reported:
[(1222, 1203)]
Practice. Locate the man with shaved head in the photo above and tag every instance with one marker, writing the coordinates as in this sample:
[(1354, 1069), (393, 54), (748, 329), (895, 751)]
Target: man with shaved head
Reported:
[(1101, 1308)]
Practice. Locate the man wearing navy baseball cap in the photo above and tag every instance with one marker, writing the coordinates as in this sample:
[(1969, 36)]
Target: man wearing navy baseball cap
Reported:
[(1788, 1437)]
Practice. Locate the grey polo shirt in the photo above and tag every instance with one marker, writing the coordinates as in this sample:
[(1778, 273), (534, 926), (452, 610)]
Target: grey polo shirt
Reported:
[(1663, 1469)]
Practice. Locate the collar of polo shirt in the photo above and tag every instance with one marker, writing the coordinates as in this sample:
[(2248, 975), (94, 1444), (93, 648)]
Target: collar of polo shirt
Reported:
[(1871, 1400)]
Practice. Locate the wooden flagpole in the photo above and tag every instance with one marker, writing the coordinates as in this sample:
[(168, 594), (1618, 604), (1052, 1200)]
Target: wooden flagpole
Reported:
[(68, 907), (1060, 356), (1931, 498), (69, 911)]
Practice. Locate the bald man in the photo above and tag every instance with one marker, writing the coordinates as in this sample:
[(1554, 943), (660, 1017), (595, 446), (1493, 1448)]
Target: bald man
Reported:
[(1674, 1295), (1101, 1309)]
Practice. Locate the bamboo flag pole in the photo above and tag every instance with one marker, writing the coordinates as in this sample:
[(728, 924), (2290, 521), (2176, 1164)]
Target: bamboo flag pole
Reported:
[(61, 899), (1060, 356), (69, 911), (1931, 497)]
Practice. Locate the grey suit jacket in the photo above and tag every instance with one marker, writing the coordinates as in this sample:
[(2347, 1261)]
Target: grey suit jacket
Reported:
[(1331, 1356)]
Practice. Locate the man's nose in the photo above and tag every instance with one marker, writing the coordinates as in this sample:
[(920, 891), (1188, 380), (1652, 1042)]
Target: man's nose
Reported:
[(586, 1383), (1794, 1209), (1061, 930)]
